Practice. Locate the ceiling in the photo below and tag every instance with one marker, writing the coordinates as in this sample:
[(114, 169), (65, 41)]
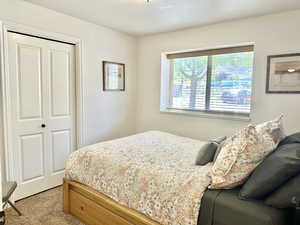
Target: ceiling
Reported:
[(137, 17)]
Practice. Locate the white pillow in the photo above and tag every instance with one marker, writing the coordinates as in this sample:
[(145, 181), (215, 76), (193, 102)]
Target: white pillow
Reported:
[(272, 129)]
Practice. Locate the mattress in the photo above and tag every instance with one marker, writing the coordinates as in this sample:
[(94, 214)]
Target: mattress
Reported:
[(152, 172)]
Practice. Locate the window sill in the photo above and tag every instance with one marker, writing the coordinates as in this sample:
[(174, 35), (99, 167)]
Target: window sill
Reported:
[(206, 115)]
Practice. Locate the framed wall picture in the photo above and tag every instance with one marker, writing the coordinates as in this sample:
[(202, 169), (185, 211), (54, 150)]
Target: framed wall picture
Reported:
[(113, 76), (283, 73)]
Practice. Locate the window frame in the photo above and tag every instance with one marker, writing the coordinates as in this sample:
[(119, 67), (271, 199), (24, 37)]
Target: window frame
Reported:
[(167, 85)]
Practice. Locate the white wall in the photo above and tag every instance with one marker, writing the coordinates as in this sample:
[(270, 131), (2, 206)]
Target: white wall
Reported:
[(109, 114), (272, 34), (2, 167)]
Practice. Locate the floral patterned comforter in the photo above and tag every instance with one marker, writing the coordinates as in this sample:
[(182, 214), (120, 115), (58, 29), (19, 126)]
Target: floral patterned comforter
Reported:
[(152, 172)]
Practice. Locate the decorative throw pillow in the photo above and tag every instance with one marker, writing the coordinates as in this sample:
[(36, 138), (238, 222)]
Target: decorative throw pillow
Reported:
[(219, 150), (282, 197), (221, 142), (207, 152), (239, 156), (275, 170), (242, 153), (272, 130)]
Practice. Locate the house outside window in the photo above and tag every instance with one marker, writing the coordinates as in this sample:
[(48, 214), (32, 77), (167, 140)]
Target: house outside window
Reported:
[(215, 81)]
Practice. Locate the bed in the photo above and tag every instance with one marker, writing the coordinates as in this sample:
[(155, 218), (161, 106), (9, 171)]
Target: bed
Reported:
[(145, 179), (219, 207)]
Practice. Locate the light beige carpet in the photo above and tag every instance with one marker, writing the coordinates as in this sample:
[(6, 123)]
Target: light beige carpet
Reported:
[(41, 209)]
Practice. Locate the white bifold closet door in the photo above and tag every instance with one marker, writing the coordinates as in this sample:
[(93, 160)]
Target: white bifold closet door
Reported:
[(42, 91)]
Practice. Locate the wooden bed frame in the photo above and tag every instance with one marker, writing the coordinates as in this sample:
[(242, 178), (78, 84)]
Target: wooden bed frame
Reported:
[(94, 208)]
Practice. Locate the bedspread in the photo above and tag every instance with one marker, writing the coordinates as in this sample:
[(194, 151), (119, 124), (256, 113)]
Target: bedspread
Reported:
[(152, 172)]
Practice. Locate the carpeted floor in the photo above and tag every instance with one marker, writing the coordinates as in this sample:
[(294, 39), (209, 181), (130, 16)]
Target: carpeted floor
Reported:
[(41, 209)]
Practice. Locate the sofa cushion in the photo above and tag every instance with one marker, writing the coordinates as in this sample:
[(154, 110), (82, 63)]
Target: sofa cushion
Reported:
[(275, 170), (282, 197)]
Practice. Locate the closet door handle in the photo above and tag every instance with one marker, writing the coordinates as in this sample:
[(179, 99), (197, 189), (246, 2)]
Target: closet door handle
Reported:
[(43, 125)]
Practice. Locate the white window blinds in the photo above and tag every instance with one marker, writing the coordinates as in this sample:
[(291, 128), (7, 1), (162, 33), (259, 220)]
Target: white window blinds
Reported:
[(216, 80)]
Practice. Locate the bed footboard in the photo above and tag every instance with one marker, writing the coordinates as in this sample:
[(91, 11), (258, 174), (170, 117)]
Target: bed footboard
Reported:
[(94, 208)]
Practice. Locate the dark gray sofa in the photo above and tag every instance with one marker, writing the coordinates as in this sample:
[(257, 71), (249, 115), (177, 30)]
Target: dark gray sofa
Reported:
[(223, 207)]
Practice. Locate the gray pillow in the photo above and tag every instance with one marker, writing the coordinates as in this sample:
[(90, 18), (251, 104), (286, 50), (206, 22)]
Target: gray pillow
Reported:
[(275, 170), (221, 143), (206, 153), (282, 197)]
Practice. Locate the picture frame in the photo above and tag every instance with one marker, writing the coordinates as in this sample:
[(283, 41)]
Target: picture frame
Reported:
[(283, 74), (113, 76)]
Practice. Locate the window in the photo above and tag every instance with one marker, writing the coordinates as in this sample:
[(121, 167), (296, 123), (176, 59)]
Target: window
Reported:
[(215, 81)]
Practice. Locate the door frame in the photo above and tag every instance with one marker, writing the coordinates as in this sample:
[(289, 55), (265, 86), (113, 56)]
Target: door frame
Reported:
[(80, 129)]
